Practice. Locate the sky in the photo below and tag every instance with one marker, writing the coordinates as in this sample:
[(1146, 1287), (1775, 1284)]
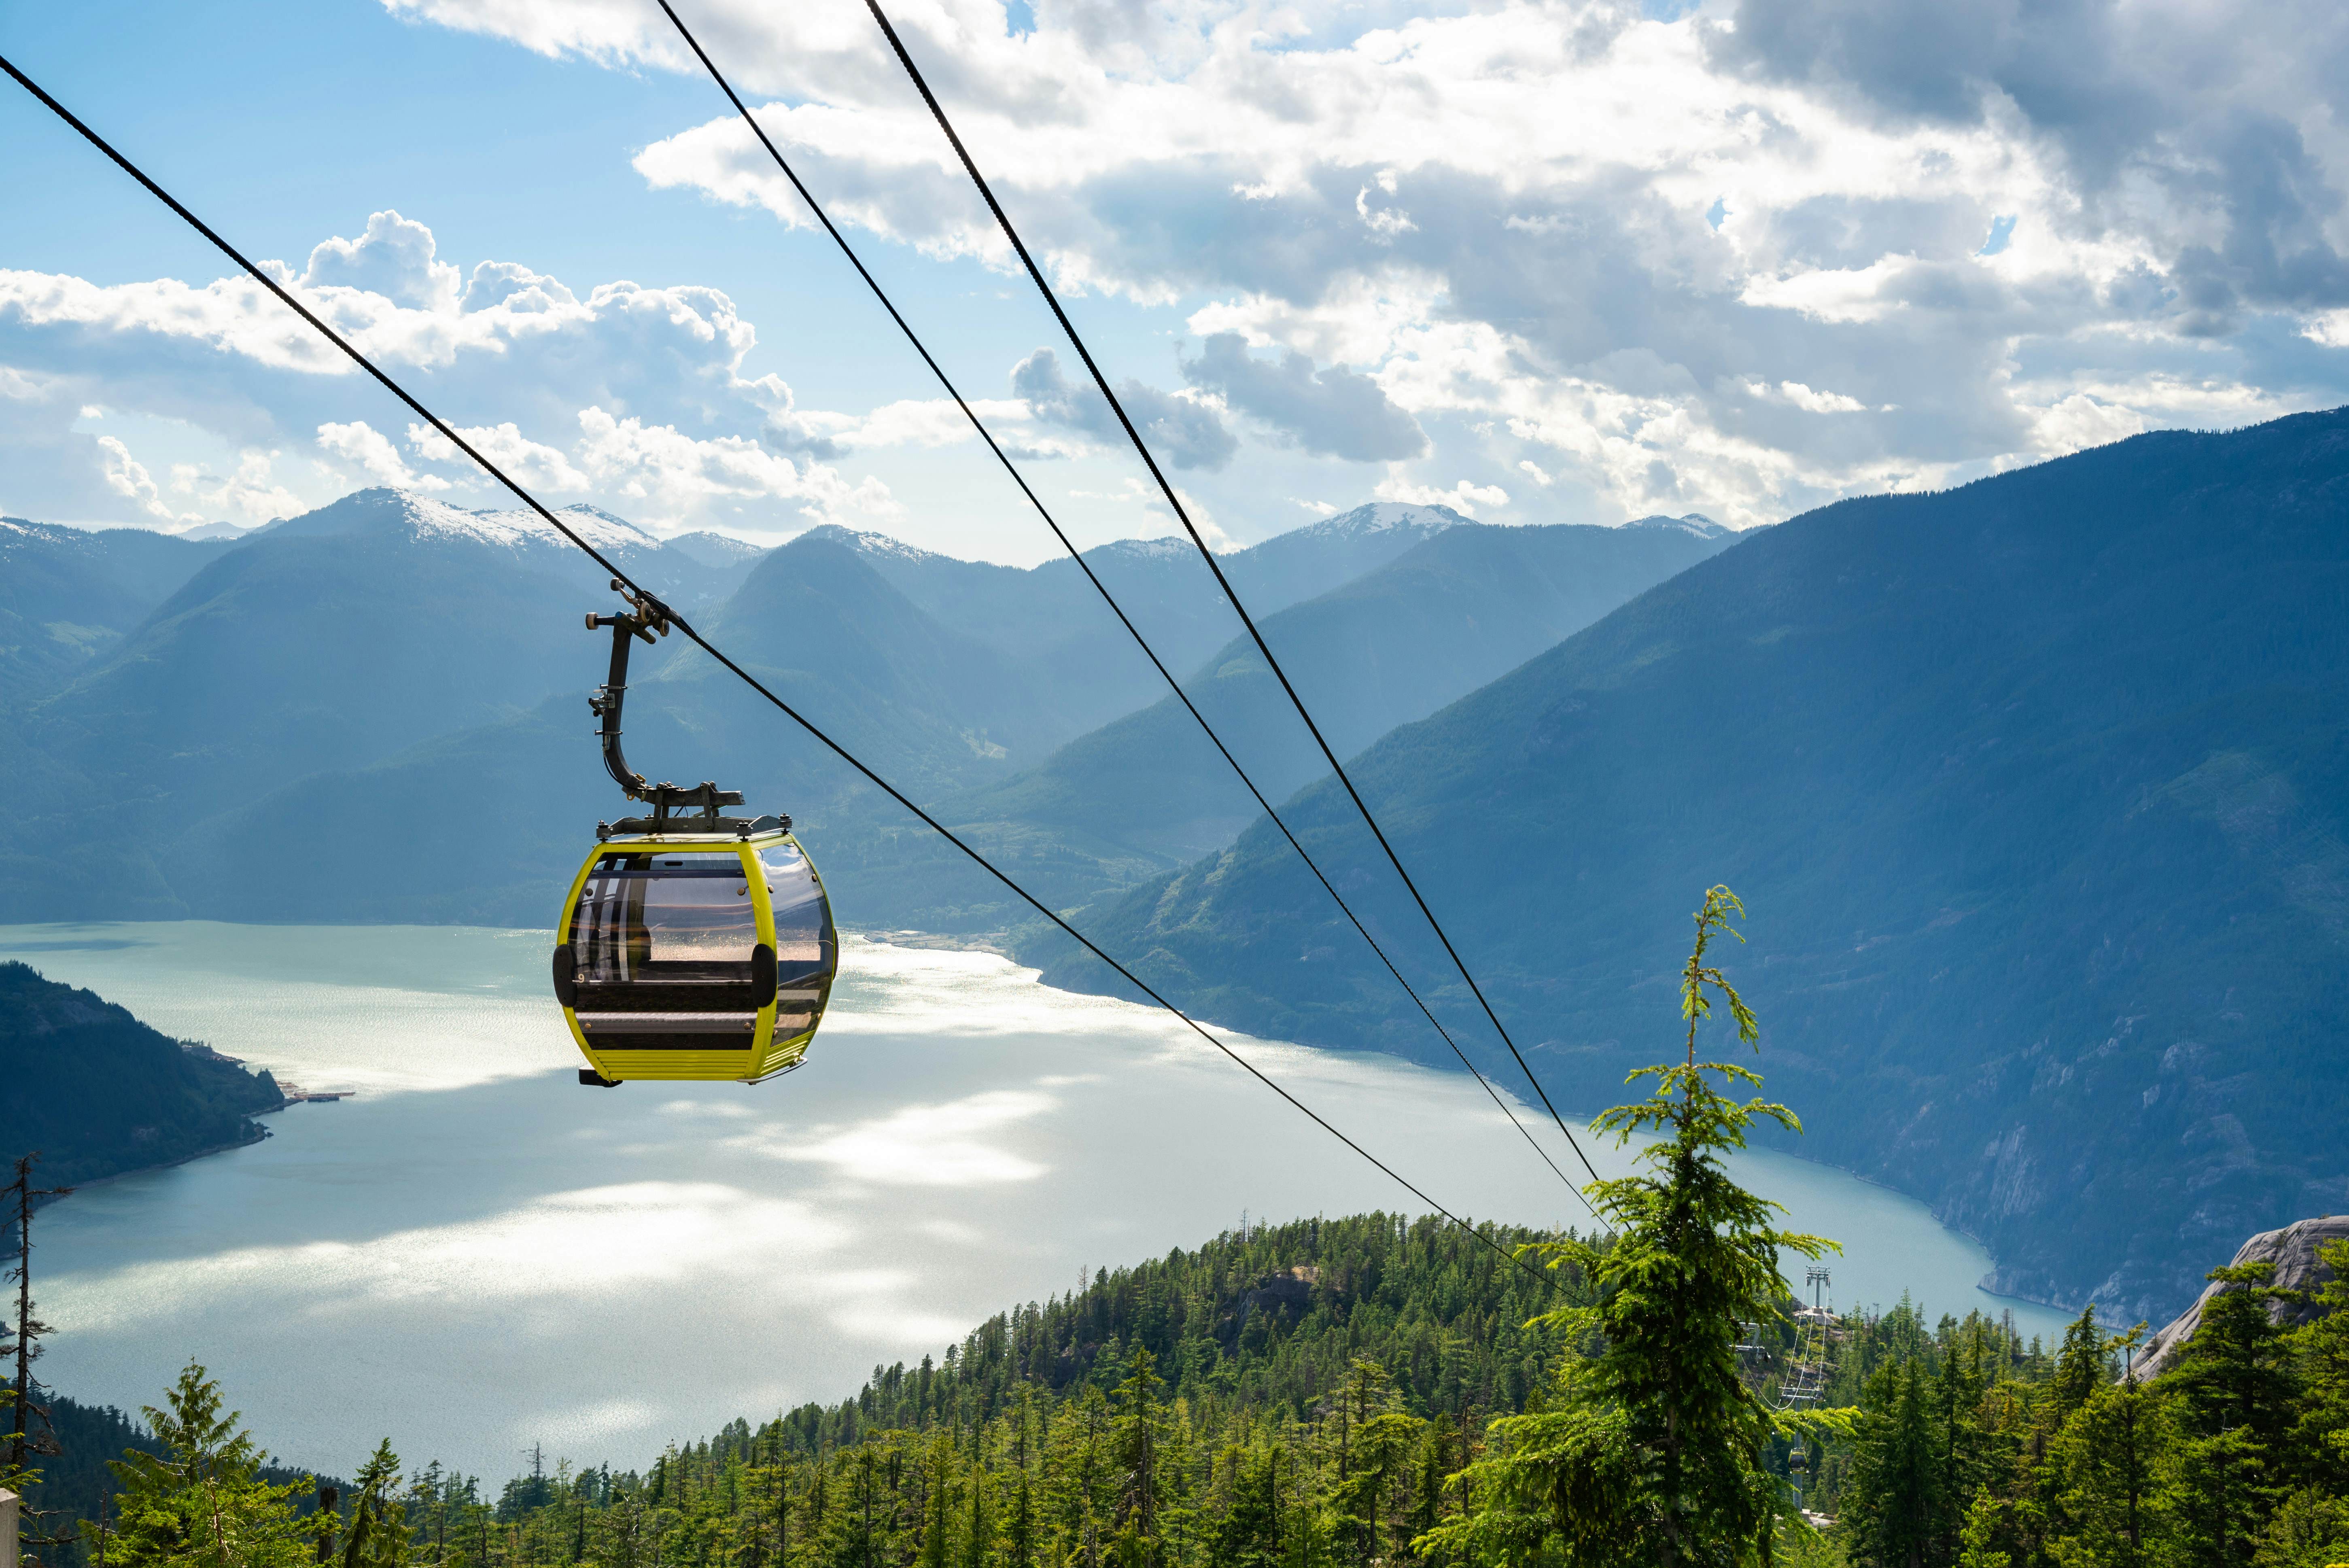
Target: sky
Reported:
[(1542, 262)]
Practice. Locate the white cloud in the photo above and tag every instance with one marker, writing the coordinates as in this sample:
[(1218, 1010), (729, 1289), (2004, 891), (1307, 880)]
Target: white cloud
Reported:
[(370, 451), (127, 476), (1595, 232), (396, 258), (250, 490), (1464, 497), (2081, 421), (531, 463), (665, 474), (639, 366), (1510, 210)]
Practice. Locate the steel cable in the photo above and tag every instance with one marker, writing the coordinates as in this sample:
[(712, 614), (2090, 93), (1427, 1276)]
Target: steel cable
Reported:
[(1099, 586), (1183, 516), (693, 635)]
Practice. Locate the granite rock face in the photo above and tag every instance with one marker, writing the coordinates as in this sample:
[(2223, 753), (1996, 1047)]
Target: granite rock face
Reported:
[(2294, 1250)]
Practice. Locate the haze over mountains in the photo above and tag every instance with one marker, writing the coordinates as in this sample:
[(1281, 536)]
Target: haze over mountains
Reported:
[(2036, 788), (390, 669)]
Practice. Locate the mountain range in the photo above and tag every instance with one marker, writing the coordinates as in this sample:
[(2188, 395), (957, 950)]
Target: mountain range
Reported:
[(392, 670), (2036, 790)]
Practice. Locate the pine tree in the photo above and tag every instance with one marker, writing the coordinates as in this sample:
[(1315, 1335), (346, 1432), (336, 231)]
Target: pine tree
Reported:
[(1137, 1432), (2237, 1392), (203, 1503), (1652, 1452), (377, 1535), (1249, 1534), (2322, 1352), (1961, 1464), (1893, 1503), (2082, 1366)]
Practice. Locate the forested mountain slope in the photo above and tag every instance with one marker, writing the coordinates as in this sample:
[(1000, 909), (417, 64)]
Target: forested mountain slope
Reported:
[(1444, 618), (1138, 796), (1357, 1392), (331, 640), (390, 668), (1261, 1326), (1050, 615), (69, 597), (2037, 789), (98, 1092)]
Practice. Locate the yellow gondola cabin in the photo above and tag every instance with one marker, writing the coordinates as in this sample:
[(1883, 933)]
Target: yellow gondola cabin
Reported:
[(695, 956), (692, 945)]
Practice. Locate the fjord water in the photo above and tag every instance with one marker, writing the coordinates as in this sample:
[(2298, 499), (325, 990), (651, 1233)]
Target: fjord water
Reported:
[(474, 1254)]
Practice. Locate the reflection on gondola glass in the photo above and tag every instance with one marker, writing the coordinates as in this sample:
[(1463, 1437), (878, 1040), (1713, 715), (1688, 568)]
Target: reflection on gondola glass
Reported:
[(691, 957), (804, 946), (807, 952), (677, 915)]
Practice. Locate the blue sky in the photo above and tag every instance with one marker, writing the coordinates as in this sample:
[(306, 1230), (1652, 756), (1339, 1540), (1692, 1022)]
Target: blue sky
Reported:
[(1548, 262)]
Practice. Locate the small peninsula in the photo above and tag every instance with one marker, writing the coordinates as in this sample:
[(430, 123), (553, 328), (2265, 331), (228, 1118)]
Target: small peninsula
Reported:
[(99, 1093)]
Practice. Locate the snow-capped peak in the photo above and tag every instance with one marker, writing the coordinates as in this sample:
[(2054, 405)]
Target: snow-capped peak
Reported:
[(423, 519), (866, 542), (1165, 547), (1694, 522), (1380, 517)]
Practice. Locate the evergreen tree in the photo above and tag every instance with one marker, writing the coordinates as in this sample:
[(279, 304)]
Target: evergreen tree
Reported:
[(2309, 1529), (2102, 1467), (1137, 1432), (2083, 1366), (2236, 1391), (1249, 1534), (1894, 1503), (2322, 1435), (377, 1535), (1653, 1451), (202, 1502)]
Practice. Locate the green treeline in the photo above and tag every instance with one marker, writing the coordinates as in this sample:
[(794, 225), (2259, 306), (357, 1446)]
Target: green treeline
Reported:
[(1970, 1449), (1252, 1324), (1295, 1395)]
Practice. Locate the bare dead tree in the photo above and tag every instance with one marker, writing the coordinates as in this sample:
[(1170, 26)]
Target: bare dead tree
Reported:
[(31, 1436)]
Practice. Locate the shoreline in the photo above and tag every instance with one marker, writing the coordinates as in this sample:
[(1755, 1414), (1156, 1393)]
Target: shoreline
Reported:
[(996, 943), (260, 1134)]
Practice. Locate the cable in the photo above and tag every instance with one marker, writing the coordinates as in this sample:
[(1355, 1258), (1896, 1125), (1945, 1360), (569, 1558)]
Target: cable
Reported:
[(1183, 517), (532, 502), (1086, 567)]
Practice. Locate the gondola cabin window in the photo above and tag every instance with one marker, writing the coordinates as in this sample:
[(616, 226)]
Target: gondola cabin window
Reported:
[(803, 934), (665, 916), (807, 950)]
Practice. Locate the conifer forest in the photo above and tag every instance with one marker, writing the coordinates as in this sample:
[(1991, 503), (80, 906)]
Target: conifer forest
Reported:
[(1340, 1393)]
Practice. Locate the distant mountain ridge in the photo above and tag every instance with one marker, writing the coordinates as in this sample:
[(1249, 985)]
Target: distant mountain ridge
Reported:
[(1463, 605), (69, 597), (1694, 522), (390, 664), (2036, 789), (1050, 611)]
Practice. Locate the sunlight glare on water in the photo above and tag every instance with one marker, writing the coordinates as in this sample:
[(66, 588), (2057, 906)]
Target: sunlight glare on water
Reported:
[(475, 1254)]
